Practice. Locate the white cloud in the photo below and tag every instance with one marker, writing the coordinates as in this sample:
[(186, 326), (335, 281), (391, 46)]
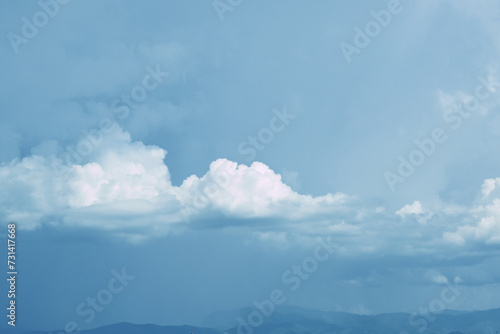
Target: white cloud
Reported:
[(483, 223), (411, 209), (253, 192), (489, 185), (124, 184), (416, 211), (485, 229), (124, 188)]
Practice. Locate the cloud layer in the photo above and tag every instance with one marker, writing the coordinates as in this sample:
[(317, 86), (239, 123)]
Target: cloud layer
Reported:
[(120, 179), (124, 187)]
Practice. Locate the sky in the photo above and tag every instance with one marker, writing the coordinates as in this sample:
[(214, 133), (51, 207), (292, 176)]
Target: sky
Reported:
[(195, 152)]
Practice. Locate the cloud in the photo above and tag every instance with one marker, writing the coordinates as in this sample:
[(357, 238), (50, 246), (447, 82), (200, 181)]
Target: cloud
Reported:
[(481, 222), (411, 209), (480, 101), (436, 277), (489, 185), (484, 229), (122, 185), (253, 192), (124, 188), (415, 209)]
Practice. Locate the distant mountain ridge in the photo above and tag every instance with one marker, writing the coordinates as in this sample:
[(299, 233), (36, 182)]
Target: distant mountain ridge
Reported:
[(484, 322), (296, 320), (128, 328)]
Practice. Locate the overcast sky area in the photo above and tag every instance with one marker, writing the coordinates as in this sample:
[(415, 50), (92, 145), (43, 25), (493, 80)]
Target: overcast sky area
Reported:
[(203, 148)]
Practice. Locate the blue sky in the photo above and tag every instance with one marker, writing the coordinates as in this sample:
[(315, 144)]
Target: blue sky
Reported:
[(206, 150)]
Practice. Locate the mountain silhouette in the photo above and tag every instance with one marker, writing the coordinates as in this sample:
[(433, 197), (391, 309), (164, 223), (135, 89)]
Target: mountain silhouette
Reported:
[(297, 320)]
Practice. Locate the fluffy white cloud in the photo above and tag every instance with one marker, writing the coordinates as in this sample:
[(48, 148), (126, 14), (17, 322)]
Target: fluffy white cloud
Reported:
[(124, 187), (123, 184), (411, 209), (485, 227), (416, 210), (483, 220), (253, 192)]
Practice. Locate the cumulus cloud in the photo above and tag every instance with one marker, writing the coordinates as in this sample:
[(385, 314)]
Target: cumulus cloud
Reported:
[(253, 192), (485, 227), (482, 222), (123, 187), (415, 210), (411, 209), (121, 184)]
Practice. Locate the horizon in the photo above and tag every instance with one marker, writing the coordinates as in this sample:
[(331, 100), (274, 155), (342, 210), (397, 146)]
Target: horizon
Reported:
[(281, 307)]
